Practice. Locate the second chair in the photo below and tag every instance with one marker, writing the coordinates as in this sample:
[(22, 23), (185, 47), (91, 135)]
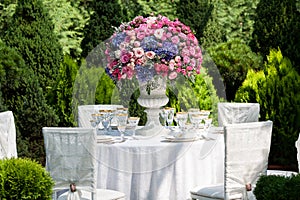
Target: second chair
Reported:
[(247, 147)]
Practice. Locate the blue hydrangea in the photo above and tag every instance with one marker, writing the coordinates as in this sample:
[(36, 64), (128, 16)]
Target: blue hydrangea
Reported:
[(118, 39), (149, 43), (144, 73)]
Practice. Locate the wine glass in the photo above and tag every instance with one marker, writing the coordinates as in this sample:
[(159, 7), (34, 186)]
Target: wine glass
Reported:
[(170, 115), (192, 112), (181, 119), (106, 119), (133, 122), (122, 123)]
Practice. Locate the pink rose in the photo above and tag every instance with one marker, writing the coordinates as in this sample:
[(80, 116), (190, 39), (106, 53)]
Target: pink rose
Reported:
[(186, 59), (138, 52), (125, 57), (136, 44), (172, 75), (150, 54), (177, 58), (189, 68), (175, 39), (140, 35)]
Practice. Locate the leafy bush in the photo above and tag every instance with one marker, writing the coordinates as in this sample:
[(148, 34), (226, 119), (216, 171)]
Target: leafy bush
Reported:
[(30, 32), (233, 60), (23, 95), (100, 26), (276, 89), (278, 187), (24, 179), (277, 24)]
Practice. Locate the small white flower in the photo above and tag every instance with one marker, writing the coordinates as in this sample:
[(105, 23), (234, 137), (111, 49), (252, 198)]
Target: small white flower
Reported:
[(117, 54), (158, 33)]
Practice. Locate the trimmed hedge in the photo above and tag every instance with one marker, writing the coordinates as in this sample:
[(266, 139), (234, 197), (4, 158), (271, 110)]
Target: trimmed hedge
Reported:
[(22, 178), (278, 187)]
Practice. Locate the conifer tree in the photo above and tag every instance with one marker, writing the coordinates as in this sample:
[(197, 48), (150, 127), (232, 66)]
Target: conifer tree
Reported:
[(30, 32)]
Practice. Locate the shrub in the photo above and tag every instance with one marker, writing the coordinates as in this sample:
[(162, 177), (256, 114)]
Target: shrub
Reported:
[(30, 32), (276, 89), (278, 187), (100, 26), (233, 60), (23, 95), (24, 179), (277, 24)]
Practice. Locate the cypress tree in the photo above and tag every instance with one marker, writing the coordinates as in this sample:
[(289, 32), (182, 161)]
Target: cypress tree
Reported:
[(107, 14), (30, 32), (277, 24)]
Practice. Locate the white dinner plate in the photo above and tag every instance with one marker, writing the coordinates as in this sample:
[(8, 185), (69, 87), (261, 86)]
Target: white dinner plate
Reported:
[(181, 139), (104, 138)]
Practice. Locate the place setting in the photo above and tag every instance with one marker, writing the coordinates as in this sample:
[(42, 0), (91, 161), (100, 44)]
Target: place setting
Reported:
[(114, 126), (190, 126)]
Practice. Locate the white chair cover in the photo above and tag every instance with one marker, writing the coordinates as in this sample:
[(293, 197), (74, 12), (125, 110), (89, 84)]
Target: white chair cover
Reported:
[(298, 152), (8, 146), (71, 158), (231, 113), (85, 113), (247, 147)]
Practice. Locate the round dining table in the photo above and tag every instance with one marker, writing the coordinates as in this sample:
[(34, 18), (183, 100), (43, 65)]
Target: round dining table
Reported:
[(159, 167)]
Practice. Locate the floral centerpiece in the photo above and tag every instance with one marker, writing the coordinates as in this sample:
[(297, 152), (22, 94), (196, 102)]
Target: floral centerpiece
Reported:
[(152, 50), (146, 47)]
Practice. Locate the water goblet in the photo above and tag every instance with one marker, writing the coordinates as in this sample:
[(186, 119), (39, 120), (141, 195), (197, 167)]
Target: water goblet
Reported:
[(181, 119), (122, 123), (133, 122), (170, 115), (192, 112), (207, 124)]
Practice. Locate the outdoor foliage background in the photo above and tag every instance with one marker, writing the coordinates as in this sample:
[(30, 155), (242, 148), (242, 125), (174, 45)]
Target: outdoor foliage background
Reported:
[(48, 65)]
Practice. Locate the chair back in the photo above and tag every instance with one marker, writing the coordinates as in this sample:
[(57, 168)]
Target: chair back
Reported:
[(247, 147), (8, 146), (298, 152), (70, 157), (85, 113), (231, 113)]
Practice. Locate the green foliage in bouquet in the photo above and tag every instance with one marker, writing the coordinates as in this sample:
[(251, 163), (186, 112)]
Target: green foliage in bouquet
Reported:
[(277, 24), (276, 89), (233, 59), (23, 95), (278, 187), (24, 179)]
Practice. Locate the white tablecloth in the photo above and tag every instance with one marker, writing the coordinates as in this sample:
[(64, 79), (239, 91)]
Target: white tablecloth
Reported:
[(155, 170)]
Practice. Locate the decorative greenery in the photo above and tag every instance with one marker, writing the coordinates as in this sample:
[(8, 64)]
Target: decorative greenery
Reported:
[(277, 24), (24, 179), (233, 59), (276, 89), (278, 187)]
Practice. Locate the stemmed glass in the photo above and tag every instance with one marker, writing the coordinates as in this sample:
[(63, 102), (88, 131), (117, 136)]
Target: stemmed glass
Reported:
[(133, 122), (169, 115), (122, 123), (181, 119), (106, 119), (193, 112)]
